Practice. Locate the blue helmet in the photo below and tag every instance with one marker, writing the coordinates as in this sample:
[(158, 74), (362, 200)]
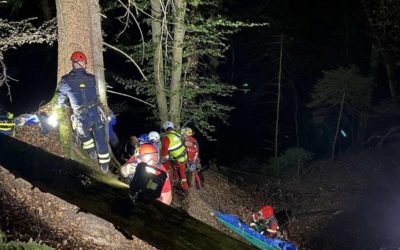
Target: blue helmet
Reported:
[(144, 138)]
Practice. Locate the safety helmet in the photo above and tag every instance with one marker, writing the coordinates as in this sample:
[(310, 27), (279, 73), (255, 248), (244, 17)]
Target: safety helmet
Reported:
[(265, 212), (154, 136), (148, 154), (78, 56), (168, 125), (144, 138), (186, 132)]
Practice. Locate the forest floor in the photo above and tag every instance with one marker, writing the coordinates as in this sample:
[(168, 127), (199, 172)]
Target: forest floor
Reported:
[(351, 204)]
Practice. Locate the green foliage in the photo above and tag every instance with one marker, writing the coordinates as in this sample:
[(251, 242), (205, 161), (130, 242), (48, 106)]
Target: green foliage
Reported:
[(329, 90), (15, 245), (328, 93), (292, 161), (205, 44)]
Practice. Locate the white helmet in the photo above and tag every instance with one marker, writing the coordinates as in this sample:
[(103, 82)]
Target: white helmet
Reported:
[(168, 125), (154, 136)]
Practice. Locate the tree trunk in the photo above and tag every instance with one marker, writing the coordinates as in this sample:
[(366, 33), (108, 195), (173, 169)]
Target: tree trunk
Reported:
[(46, 10), (390, 71), (158, 224), (158, 63), (79, 29), (337, 128), (177, 57), (278, 102)]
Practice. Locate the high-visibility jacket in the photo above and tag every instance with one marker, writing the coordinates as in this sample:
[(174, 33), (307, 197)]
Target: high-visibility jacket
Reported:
[(7, 125), (176, 149)]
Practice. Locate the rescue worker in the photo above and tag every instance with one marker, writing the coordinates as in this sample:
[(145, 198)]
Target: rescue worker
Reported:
[(192, 150), (130, 147), (143, 139), (173, 153), (264, 222), (80, 88), (7, 124), (191, 144), (150, 179), (154, 138)]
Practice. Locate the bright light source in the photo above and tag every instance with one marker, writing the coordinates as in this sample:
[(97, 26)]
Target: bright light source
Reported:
[(52, 120), (151, 170), (343, 133)]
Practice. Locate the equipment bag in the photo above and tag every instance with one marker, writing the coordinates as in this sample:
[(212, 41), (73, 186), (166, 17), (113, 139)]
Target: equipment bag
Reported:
[(147, 182)]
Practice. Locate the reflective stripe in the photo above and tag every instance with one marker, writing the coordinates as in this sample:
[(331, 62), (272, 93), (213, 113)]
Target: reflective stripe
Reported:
[(175, 147), (103, 155), (88, 144), (104, 160), (176, 150), (5, 129)]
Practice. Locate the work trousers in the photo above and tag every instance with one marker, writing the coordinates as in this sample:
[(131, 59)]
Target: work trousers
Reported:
[(90, 127)]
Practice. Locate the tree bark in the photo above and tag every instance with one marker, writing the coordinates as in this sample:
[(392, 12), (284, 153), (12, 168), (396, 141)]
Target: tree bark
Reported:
[(390, 71), (337, 128), (79, 29), (278, 101), (158, 60), (177, 58), (46, 10), (160, 225)]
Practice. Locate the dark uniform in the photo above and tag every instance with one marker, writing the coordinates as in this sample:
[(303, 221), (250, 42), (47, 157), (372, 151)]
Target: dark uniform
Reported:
[(80, 88)]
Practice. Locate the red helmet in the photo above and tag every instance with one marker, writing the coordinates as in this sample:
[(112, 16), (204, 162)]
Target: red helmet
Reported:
[(148, 154), (265, 212), (78, 56)]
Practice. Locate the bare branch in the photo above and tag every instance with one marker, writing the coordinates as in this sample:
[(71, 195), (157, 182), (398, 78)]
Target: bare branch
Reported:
[(127, 56)]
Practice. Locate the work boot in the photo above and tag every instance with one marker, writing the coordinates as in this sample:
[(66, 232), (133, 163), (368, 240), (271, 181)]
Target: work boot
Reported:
[(92, 154), (104, 167)]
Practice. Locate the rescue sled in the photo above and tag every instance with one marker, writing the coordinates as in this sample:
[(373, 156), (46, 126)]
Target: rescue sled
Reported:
[(252, 236)]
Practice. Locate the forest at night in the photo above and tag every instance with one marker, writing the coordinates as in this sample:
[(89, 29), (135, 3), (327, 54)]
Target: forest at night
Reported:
[(193, 124)]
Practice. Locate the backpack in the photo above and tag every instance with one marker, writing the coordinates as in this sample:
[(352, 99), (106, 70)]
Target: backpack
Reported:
[(146, 182)]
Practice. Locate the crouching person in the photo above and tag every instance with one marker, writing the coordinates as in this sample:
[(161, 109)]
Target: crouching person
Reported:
[(147, 176), (264, 222)]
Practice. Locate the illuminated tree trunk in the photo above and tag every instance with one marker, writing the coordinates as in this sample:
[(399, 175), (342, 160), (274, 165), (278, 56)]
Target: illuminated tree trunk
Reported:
[(79, 29), (177, 57), (158, 60)]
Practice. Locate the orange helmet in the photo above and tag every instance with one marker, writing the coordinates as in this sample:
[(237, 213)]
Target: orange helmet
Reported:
[(78, 56), (148, 154)]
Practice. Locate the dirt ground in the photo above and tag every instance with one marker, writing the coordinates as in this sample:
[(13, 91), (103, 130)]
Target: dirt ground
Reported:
[(351, 204)]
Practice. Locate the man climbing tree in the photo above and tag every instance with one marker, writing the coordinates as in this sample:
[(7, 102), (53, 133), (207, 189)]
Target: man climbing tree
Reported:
[(79, 29), (80, 88)]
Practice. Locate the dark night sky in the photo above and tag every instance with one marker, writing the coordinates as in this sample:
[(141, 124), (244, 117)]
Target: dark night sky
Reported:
[(319, 35)]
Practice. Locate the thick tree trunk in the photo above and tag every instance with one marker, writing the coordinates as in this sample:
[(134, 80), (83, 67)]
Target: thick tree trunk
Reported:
[(158, 64), (390, 71), (46, 10), (79, 29), (105, 197), (177, 58)]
